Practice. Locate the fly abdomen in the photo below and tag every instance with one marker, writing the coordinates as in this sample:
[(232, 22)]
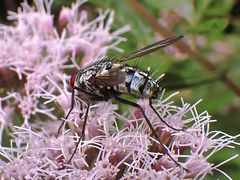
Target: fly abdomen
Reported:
[(138, 84)]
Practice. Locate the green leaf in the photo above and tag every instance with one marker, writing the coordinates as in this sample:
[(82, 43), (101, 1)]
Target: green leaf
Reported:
[(220, 7), (210, 25), (180, 82)]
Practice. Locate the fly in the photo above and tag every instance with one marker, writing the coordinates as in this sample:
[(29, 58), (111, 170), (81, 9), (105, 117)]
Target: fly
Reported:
[(108, 79)]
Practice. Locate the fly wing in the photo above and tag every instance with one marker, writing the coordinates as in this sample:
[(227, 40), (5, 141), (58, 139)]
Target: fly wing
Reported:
[(109, 78), (149, 49)]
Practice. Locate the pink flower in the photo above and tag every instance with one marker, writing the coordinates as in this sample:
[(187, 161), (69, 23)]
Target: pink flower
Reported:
[(120, 152), (116, 145)]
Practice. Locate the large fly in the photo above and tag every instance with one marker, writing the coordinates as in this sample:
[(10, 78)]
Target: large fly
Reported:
[(108, 79)]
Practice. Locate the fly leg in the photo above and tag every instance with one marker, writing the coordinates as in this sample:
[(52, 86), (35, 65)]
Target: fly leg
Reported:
[(94, 97), (71, 108), (159, 116), (82, 135), (165, 150)]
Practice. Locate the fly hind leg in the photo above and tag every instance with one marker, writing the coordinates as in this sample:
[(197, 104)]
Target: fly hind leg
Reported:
[(165, 150), (159, 116)]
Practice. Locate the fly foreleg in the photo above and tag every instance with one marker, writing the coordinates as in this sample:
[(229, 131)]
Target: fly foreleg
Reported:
[(71, 108), (82, 135)]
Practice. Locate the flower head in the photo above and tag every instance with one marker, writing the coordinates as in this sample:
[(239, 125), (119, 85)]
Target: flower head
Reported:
[(114, 145)]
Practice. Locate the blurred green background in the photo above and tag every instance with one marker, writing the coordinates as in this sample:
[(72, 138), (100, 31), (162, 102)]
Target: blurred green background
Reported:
[(210, 28)]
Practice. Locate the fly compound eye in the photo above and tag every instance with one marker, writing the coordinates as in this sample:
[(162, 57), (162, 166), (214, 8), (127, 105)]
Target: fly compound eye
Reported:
[(72, 80)]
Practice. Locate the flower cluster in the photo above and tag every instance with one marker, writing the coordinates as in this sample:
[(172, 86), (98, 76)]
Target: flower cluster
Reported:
[(39, 54), (116, 145), (109, 152)]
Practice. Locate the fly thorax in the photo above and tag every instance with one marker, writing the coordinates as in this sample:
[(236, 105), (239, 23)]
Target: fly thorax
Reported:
[(84, 78)]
